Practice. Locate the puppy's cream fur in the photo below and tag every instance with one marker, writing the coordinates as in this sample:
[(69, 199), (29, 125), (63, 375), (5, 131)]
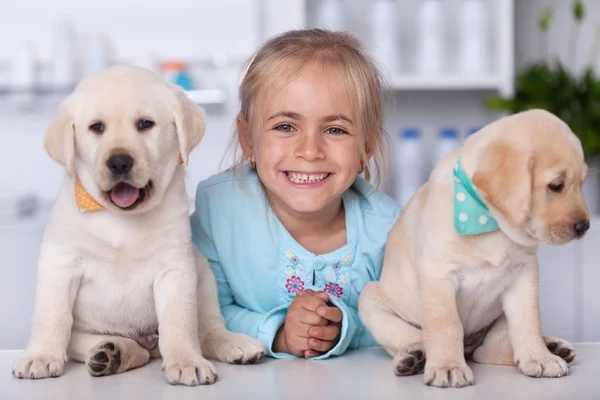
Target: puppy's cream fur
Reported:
[(117, 287), (442, 296)]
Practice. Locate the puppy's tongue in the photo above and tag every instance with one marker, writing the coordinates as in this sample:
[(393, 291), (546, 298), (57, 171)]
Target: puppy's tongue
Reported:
[(124, 195)]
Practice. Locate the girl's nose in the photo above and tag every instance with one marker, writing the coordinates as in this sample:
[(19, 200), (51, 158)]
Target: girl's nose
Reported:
[(310, 147)]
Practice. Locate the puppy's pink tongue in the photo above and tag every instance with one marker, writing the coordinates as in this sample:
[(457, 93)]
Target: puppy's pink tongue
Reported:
[(124, 195)]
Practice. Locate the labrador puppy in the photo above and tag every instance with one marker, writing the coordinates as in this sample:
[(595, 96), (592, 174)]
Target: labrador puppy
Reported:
[(460, 273), (119, 280)]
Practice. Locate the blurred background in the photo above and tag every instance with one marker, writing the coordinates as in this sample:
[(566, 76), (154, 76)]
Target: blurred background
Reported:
[(451, 66)]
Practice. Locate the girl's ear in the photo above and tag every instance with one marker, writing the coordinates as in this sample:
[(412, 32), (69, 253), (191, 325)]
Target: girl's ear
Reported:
[(244, 136)]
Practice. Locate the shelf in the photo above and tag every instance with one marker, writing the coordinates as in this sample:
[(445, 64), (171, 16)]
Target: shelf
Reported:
[(207, 96), (443, 82)]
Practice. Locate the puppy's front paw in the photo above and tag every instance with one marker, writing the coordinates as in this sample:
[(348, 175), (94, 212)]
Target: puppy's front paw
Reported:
[(189, 371), (547, 365), (105, 359), (449, 375), (233, 348), (561, 348), (410, 360), (38, 366)]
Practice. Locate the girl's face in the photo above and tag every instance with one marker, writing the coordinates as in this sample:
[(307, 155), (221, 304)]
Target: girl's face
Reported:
[(307, 154)]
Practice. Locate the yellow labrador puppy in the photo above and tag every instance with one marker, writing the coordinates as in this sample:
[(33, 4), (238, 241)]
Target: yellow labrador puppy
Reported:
[(460, 273), (119, 281)]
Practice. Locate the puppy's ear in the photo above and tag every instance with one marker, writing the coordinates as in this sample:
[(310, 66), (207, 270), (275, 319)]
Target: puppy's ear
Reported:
[(190, 122), (504, 178), (59, 141)]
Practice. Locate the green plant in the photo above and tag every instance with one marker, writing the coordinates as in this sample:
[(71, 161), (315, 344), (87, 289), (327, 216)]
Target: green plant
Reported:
[(550, 85)]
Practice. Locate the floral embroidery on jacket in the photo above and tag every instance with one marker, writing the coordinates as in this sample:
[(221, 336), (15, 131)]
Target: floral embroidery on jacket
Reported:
[(294, 284), (337, 276), (334, 289), (293, 272), (333, 279)]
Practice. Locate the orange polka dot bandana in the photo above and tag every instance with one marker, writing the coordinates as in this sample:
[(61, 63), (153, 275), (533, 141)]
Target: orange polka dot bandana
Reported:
[(85, 202)]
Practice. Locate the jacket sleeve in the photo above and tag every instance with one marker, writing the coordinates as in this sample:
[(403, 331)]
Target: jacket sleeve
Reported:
[(353, 333), (262, 326)]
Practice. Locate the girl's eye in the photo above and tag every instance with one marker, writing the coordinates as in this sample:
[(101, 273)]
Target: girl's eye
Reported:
[(336, 131), (285, 128)]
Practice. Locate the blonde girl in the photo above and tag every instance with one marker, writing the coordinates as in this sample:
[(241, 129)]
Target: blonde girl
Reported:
[(294, 231)]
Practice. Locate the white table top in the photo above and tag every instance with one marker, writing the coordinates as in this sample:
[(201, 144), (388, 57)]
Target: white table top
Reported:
[(360, 374)]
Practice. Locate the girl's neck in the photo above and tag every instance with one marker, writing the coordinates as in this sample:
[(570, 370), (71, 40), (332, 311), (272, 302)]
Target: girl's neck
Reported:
[(319, 232)]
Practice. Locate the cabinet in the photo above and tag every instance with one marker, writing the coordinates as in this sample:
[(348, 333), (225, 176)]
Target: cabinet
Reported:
[(303, 14)]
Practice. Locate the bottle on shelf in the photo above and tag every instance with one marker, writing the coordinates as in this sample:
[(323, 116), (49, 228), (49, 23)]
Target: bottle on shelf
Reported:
[(430, 31), (447, 142), (177, 72), (474, 37), (64, 58), (24, 77), (383, 24), (472, 130), (330, 15), (408, 165)]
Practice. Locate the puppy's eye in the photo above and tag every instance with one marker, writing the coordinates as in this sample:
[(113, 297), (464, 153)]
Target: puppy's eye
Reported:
[(144, 124), (97, 127), (556, 187)]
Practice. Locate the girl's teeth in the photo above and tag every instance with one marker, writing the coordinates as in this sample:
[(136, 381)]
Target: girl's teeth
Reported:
[(306, 178)]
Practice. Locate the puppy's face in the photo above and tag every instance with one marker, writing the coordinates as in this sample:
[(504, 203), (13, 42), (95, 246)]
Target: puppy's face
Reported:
[(532, 175), (559, 213), (127, 129)]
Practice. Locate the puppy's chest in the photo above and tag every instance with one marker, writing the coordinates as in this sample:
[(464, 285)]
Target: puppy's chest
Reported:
[(116, 292), (479, 294), (116, 300)]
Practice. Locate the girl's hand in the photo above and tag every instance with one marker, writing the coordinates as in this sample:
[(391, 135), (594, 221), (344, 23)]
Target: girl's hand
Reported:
[(324, 338), (293, 337)]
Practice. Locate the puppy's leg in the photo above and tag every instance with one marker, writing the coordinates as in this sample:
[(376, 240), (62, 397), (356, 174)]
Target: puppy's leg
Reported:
[(57, 286), (443, 334), (496, 348), (400, 339), (107, 355), (216, 341), (521, 307), (175, 295), (561, 348)]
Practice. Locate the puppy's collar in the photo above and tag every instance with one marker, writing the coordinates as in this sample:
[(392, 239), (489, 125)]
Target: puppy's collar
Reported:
[(471, 214), (85, 202)]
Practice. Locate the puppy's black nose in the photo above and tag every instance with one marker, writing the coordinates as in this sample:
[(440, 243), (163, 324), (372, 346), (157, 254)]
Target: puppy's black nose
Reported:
[(581, 227), (119, 164)]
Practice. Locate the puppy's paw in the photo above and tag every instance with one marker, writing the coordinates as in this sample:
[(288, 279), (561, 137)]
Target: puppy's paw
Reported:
[(561, 348), (233, 348), (105, 359), (410, 360), (451, 375), (38, 366), (189, 371), (548, 365)]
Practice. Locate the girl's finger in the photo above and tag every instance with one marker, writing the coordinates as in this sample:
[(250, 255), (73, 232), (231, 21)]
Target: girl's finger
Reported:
[(311, 318), (320, 345), (332, 314), (311, 353), (329, 332), (322, 295)]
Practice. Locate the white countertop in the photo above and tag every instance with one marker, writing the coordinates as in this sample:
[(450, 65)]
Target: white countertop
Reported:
[(361, 374)]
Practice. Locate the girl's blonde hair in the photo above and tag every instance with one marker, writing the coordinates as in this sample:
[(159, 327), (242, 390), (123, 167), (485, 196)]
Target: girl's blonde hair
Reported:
[(280, 59)]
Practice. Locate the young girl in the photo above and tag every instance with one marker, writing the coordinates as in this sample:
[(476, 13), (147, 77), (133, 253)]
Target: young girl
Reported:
[(293, 232)]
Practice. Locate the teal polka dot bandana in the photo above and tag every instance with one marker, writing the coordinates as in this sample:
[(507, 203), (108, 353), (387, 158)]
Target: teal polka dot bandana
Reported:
[(471, 215)]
